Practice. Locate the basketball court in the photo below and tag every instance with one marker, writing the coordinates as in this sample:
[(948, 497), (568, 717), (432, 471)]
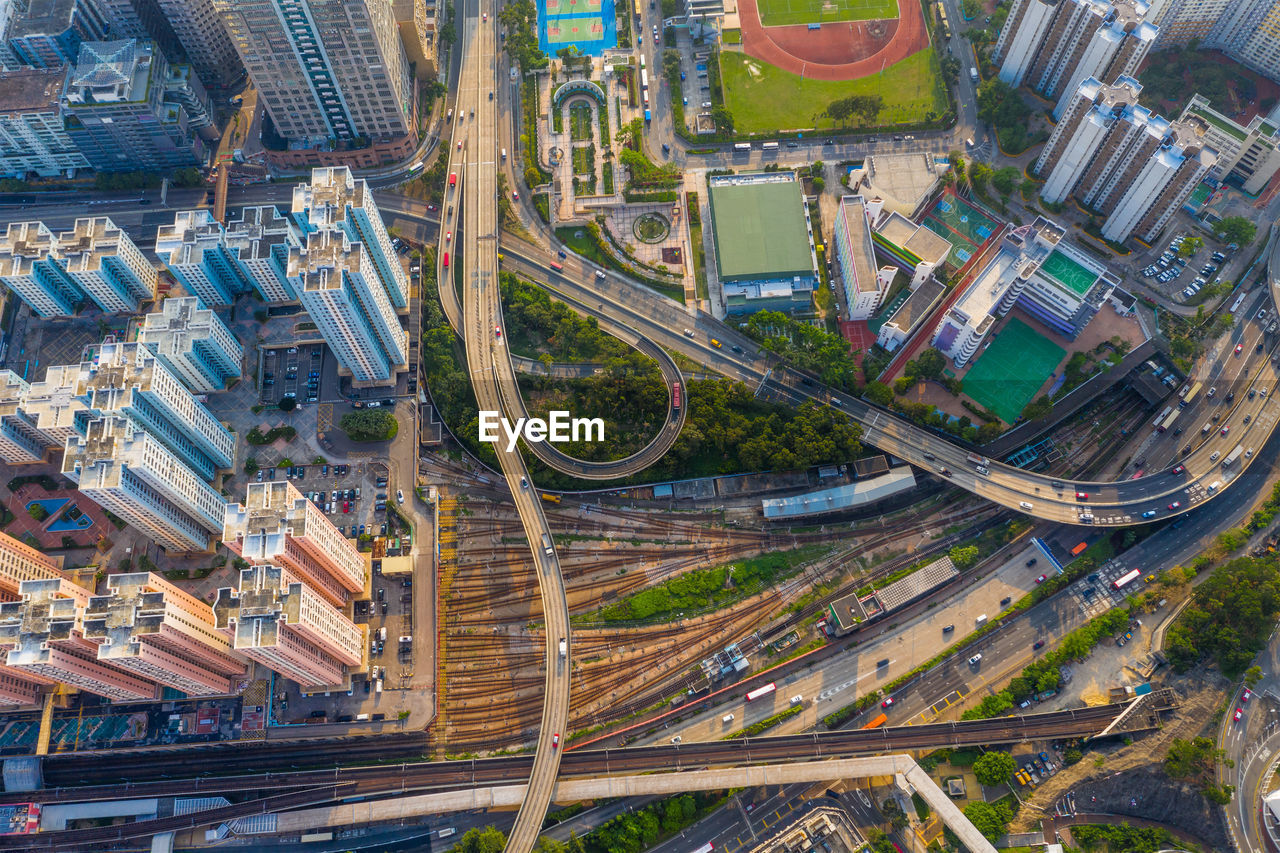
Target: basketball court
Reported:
[(962, 223), (590, 26), (1011, 369)]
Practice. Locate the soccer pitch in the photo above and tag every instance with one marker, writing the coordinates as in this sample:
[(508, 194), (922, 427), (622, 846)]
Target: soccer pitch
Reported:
[(781, 13)]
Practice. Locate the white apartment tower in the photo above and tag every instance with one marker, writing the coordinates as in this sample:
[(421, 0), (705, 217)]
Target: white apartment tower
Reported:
[(107, 266), (29, 267), (325, 69), (194, 249), (276, 524), (1052, 46), (21, 441), (124, 470), (341, 290), (1118, 158), (262, 238), (128, 379), (53, 406), (193, 343), (276, 619)]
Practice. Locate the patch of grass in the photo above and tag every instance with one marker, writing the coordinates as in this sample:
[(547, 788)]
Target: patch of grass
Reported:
[(703, 590), (764, 99), (733, 36), (765, 724), (579, 123), (781, 13)]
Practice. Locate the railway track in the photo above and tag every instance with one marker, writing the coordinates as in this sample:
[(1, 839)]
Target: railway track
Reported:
[(142, 778)]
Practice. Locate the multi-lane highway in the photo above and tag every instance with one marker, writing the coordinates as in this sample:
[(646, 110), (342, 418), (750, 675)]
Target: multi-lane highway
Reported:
[(475, 149)]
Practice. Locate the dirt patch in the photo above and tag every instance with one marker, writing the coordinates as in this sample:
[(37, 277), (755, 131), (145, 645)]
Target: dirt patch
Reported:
[(1131, 780)]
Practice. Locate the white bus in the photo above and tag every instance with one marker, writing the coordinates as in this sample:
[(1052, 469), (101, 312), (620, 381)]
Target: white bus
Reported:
[(770, 146), (415, 168), (1235, 306), (742, 146)]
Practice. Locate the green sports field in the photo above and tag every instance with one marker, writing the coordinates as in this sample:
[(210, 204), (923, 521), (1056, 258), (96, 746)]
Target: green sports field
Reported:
[(1007, 375), (781, 13), (766, 99)]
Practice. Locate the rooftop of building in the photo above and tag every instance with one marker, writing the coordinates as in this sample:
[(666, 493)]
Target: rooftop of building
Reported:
[(100, 456), (130, 610), (48, 612), (31, 90), (110, 72), (270, 512), (322, 261), (259, 230), (13, 390), (918, 305), (179, 325), (52, 401), (265, 595), (44, 17), (1200, 106), (92, 239), (917, 583), (904, 182), (115, 372), (192, 233), (760, 226), (853, 212), (23, 245), (916, 239), (327, 195), (840, 497)]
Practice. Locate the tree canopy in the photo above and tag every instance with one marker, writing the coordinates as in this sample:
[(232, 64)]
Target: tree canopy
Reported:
[(993, 768), (1238, 230), (865, 107), (369, 425), (1230, 616)]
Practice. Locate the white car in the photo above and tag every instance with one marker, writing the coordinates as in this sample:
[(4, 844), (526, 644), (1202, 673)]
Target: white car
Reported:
[(399, 496), (973, 661)]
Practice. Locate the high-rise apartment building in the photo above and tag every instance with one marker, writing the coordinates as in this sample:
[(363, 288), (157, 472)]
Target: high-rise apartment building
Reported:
[(33, 140), (1246, 30), (44, 635), (194, 249), (21, 441), (29, 266), (324, 69), (334, 198), (338, 285), (1052, 46), (860, 281), (155, 630), (276, 524), (193, 343), (418, 21), (1248, 156), (20, 562), (348, 276), (128, 379), (263, 238), (1118, 158), (53, 406), (107, 266), (204, 39), (128, 109), (279, 621), (124, 470)]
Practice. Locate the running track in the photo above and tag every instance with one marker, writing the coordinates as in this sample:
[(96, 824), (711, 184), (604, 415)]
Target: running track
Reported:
[(910, 37)]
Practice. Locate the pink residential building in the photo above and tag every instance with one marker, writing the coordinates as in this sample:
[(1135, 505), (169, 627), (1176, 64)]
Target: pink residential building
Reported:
[(278, 620), (276, 524), (44, 636), (20, 562), (155, 630)]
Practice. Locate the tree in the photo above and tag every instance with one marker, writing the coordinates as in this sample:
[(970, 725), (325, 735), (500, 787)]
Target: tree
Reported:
[(288, 404), (985, 818), (894, 814), (37, 512), (369, 425), (971, 9), (963, 556), (1252, 676), (878, 393), (487, 840), (1004, 180), (1190, 246), (979, 176), (1038, 408), (994, 768), (1238, 230)]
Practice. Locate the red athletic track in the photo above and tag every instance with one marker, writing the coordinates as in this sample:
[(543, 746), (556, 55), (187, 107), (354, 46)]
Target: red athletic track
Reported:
[(816, 53)]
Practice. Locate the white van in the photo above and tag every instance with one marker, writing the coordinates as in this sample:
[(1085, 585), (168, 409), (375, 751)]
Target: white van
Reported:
[(983, 471), (726, 719), (981, 620), (797, 700), (1025, 505), (1214, 486), (504, 153), (362, 718)]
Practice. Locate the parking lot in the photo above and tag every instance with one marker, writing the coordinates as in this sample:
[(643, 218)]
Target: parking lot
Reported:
[(1181, 276), (307, 373)]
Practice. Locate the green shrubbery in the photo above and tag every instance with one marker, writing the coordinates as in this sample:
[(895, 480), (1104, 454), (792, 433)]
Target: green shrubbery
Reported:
[(369, 425)]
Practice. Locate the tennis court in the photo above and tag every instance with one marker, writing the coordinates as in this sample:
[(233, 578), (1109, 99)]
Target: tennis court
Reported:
[(962, 223), (782, 13), (1010, 371)]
